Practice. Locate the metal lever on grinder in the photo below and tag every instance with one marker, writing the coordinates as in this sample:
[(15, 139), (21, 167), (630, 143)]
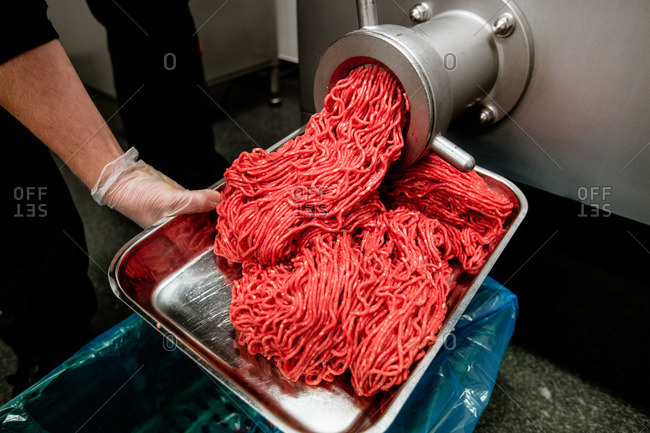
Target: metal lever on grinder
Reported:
[(454, 155)]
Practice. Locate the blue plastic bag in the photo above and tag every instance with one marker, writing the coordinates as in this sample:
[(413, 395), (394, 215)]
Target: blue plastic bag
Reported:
[(131, 379), (457, 386)]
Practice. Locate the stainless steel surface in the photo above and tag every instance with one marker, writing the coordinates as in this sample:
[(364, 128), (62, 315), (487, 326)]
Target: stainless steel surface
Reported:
[(168, 275), (581, 122), (367, 13), (471, 58), (446, 64), (456, 156)]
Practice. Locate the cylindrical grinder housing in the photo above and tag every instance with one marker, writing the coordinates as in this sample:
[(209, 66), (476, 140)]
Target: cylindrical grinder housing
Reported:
[(444, 65)]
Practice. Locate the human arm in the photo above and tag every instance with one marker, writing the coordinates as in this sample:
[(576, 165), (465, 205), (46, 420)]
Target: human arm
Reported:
[(42, 90)]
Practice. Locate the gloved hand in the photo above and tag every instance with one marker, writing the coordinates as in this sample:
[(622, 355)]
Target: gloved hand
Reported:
[(145, 195)]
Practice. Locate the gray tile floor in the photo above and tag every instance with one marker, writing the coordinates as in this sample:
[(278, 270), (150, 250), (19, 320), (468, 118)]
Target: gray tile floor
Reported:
[(532, 393)]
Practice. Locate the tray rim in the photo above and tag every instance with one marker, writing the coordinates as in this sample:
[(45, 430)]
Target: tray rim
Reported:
[(405, 389)]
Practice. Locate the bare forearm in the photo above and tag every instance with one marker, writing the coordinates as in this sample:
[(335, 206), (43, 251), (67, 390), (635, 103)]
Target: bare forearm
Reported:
[(42, 90)]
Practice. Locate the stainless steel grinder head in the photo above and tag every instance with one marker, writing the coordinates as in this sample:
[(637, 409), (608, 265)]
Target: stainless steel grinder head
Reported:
[(450, 62)]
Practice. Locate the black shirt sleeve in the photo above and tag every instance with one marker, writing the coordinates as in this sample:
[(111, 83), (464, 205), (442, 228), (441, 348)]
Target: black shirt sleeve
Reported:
[(23, 25)]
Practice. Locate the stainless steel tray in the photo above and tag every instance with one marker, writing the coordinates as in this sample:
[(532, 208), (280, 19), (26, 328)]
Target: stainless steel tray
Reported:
[(168, 274)]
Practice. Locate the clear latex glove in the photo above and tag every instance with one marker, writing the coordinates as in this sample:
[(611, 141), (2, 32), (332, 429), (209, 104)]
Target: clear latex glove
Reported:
[(145, 195)]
